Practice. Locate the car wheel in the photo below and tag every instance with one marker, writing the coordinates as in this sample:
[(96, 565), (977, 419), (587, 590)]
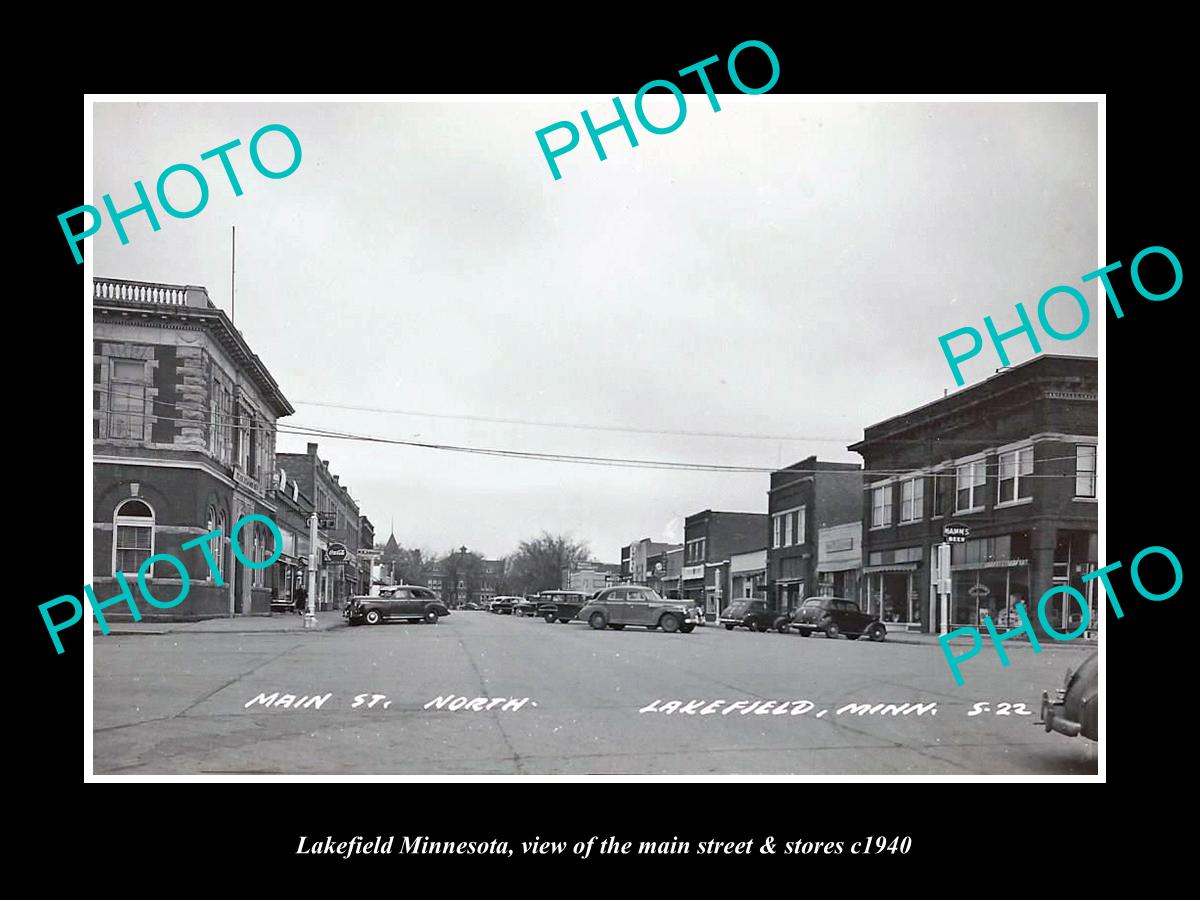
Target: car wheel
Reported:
[(549, 617), (670, 624), (373, 617), (853, 637), (687, 629), (431, 616), (729, 628), (832, 630), (805, 632), (598, 621), (784, 627), (877, 633), (760, 627)]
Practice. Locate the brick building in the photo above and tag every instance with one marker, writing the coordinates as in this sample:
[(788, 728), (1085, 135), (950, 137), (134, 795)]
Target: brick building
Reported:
[(710, 538), (635, 558), (183, 441), (338, 582), (1010, 463), (803, 498)]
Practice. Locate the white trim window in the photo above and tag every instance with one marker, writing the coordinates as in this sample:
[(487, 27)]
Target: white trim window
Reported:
[(1014, 482), (695, 551), (1085, 470), (788, 527), (133, 536), (912, 500), (970, 479), (881, 506)]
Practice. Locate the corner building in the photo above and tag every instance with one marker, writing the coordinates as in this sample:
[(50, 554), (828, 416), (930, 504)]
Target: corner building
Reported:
[(1008, 466), (183, 443)]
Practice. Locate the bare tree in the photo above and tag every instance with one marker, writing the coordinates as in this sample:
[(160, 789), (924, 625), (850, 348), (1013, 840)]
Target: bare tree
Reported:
[(538, 564)]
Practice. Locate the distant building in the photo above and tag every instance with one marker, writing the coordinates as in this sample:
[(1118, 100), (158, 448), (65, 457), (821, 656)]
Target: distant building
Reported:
[(634, 559), (803, 498), (711, 538), (338, 581), (839, 560), (183, 441), (660, 573), (748, 575), (1010, 465), (368, 556), (592, 576)]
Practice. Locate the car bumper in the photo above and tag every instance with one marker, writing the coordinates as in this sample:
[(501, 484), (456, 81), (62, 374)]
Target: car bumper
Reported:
[(1054, 718), (731, 621)]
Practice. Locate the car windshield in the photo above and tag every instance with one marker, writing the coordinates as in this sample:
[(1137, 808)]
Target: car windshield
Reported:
[(814, 603), (737, 609)]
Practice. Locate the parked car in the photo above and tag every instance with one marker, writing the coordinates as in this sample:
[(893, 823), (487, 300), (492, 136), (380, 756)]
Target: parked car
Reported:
[(636, 604), (503, 605), (407, 602), (834, 616), (526, 606), (471, 605), (560, 606), (752, 614), (1075, 708)]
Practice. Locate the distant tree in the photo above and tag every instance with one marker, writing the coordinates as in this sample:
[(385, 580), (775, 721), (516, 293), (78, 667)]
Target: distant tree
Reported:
[(538, 564)]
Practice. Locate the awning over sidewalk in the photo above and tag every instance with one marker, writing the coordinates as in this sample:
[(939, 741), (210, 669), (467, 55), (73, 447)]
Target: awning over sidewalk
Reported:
[(892, 567)]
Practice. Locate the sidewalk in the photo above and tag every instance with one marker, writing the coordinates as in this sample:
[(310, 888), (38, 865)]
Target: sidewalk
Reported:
[(280, 622), (919, 637)]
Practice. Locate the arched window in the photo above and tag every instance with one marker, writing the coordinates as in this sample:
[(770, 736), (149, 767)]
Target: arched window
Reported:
[(133, 536), (219, 550)]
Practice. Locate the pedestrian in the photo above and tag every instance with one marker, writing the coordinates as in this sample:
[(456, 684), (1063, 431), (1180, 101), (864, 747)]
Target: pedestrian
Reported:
[(301, 600)]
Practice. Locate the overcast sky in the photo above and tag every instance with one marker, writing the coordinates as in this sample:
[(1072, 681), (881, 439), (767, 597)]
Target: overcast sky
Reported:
[(778, 268)]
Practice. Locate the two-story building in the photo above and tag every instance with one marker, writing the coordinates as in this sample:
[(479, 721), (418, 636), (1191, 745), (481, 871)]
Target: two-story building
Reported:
[(635, 559), (710, 538), (803, 498), (1001, 478), (183, 443), (338, 581)]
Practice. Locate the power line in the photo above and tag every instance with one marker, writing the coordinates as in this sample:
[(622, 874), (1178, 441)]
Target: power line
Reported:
[(318, 431)]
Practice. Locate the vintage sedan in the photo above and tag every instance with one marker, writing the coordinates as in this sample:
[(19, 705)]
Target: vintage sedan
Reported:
[(526, 606), (834, 616), (1076, 705), (503, 605), (560, 606), (636, 604), (402, 602), (752, 614)]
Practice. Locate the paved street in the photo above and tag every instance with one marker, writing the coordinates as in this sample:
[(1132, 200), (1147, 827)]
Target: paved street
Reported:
[(177, 703)]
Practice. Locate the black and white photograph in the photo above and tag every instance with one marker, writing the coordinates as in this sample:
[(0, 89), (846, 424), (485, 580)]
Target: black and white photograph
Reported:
[(517, 437)]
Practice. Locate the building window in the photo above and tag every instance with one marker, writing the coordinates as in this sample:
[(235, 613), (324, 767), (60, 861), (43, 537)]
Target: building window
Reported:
[(133, 537), (1085, 470), (912, 500), (127, 399), (970, 479), (221, 441), (695, 551), (800, 525), (881, 506), (1015, 469), (777, 533), (788, 528)]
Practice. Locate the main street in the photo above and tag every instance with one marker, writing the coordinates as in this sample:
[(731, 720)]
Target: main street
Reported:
[(193, 702)]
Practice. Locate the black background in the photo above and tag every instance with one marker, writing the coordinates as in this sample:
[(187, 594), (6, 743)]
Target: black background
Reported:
[(1021, 834)]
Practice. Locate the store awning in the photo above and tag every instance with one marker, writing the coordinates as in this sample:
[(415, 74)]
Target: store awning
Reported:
[(893, 567), (847, 565)]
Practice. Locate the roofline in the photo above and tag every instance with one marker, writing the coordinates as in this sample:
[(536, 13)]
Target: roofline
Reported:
[(966, 390)]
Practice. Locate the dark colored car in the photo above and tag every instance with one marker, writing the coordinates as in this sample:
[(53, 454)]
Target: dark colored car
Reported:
[(636, 604), (834, 616), (1075, 708), (407, 602), (526, 606), (503, 605), (560, 606), (752, 614)]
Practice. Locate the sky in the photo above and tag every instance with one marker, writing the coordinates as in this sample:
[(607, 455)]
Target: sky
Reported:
[(779, 270)]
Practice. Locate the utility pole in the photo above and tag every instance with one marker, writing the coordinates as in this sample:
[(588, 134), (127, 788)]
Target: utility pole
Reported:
[(310, 616)]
